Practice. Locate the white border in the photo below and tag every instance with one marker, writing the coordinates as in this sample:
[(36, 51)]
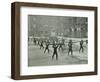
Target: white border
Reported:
[(25, 70)]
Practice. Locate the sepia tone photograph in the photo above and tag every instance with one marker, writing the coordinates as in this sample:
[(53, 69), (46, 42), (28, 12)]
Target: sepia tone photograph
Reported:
[(53, 40), (57, 40)]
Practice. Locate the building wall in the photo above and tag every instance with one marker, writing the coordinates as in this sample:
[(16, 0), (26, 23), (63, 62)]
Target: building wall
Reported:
[(63, 26)]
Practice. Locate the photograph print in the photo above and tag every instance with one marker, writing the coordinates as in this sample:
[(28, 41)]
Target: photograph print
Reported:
[(57, 40), (53, 40)]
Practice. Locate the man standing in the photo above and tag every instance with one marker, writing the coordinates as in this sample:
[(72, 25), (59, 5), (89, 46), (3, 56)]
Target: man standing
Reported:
[(63, 41), (86, 41), (47, 47), (70, 47), (55, 51), (60, 47), (34, 41), (41, 45), (81, 46)]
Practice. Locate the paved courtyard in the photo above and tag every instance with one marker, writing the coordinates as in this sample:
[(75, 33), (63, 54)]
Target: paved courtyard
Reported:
[(37, 57)]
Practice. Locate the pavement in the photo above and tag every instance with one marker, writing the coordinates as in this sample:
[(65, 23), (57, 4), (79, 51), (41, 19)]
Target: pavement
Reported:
[(37, 57)]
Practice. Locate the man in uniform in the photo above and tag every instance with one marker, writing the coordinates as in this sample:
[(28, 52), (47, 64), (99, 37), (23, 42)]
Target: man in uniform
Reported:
[(47, 47), (60, 47), (86, 41), (41, 45), (55, 51), (63, 41), (81, 46), (34, 41), (70, 47), (38, 42)]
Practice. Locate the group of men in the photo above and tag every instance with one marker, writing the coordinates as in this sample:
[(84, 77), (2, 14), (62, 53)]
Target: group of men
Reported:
[(56, 45)]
